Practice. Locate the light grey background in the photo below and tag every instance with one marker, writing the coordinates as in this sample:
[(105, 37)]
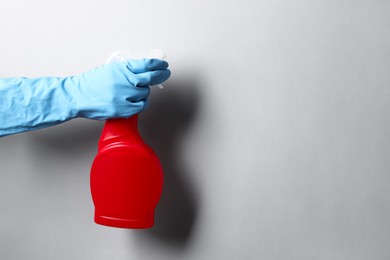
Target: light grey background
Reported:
[(273, 131)]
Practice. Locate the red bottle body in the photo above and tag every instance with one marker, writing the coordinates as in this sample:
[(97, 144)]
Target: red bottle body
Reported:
[(126, 177)]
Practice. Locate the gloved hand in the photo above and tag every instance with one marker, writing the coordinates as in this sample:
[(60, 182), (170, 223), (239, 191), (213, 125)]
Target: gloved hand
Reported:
[(118, 89)]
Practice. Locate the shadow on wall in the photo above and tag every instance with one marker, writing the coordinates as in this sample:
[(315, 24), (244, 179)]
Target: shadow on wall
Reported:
[(163, 126)]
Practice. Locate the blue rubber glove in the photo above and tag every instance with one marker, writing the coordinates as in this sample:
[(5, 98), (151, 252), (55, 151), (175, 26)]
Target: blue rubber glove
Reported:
[(118, 89)]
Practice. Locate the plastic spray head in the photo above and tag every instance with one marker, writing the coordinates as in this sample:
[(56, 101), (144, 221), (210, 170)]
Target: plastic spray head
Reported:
[(125, 55)]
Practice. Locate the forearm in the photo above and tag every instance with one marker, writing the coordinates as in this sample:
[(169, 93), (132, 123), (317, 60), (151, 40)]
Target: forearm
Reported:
[(115, 90), (30, 104)]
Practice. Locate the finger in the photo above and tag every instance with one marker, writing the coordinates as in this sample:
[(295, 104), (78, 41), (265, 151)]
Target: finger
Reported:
[(144, 65), (145, 104), (140, 105), (140, 94), (152, 77)]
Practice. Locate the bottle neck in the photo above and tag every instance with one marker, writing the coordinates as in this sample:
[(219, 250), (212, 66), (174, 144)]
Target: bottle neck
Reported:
[(120, 130)]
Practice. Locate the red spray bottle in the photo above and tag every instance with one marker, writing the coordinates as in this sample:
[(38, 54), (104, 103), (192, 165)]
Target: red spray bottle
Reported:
[(126, 175)]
